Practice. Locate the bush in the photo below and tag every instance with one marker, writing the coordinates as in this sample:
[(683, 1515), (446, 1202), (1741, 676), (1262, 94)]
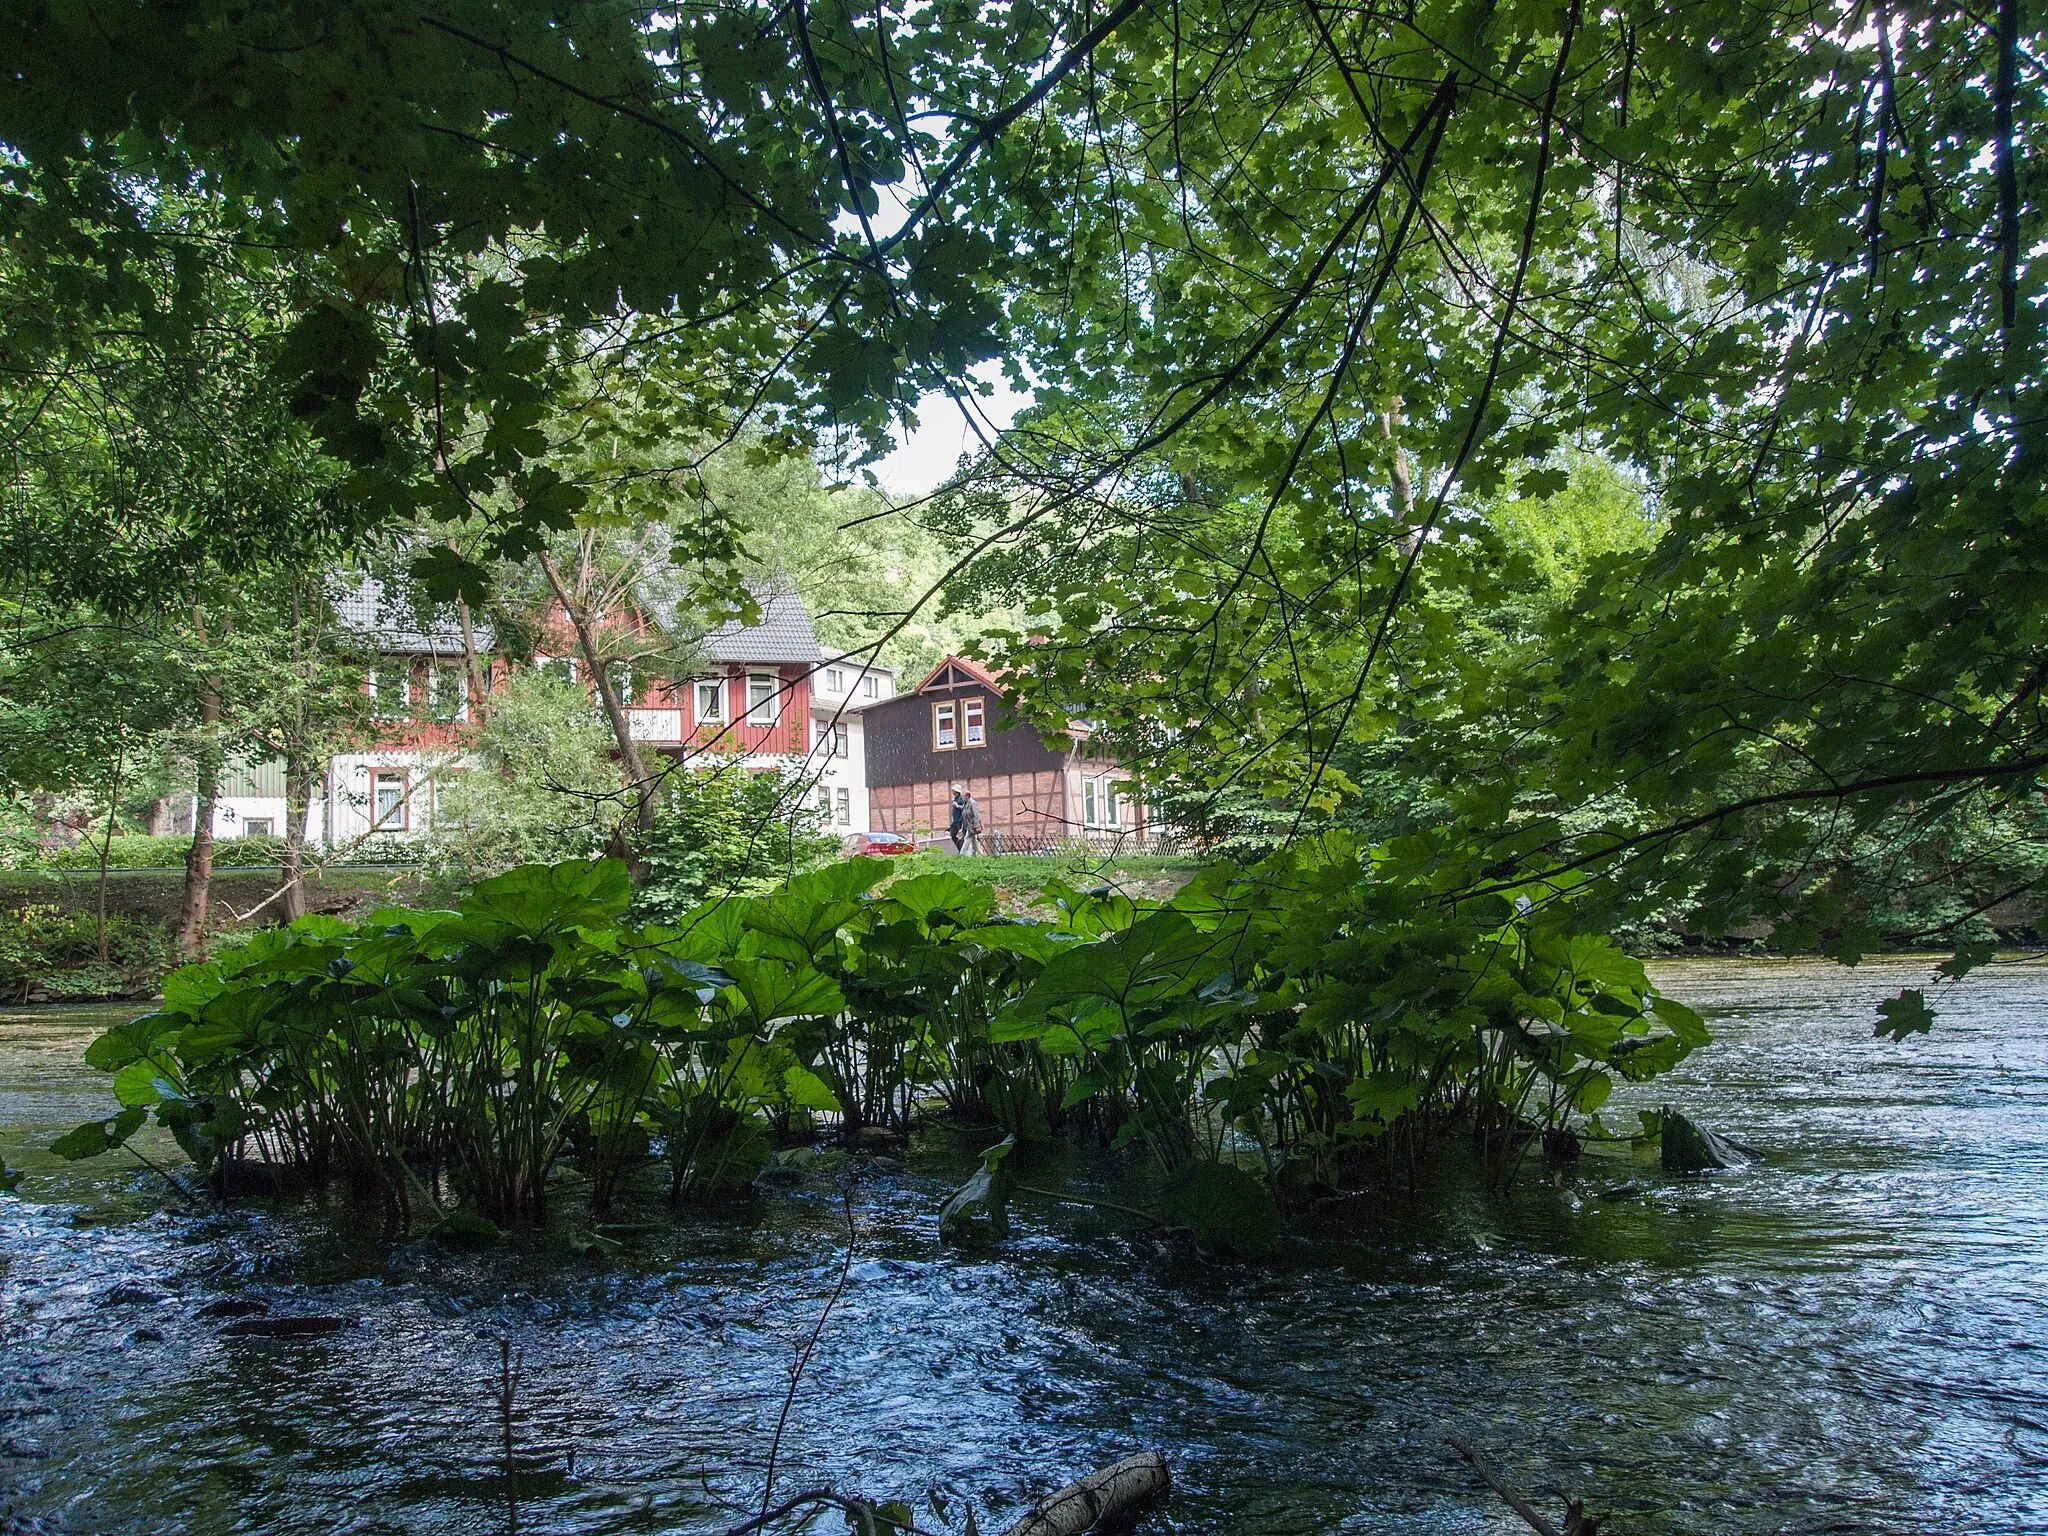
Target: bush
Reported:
[(542, 787), (726, 832), (43, 946)]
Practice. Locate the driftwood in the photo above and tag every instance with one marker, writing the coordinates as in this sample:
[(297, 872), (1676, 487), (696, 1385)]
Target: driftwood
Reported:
[(1112, 1497), (1576, 1521)]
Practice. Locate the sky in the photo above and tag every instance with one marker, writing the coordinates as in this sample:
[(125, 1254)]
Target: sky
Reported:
[(924, 458)]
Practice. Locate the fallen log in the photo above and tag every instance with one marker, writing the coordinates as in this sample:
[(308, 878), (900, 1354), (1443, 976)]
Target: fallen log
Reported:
[(1110, 1498)]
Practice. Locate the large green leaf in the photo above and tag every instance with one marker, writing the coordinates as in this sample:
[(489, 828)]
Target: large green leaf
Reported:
[(1224, 1206), (97, 1137), (772, 990), (540, 899)]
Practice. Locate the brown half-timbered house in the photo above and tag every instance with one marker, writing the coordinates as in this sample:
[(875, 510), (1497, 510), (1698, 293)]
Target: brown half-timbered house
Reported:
[(959, 727)]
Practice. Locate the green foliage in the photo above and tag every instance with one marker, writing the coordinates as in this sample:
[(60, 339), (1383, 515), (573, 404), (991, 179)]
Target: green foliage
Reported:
[(539, 785), (722, 830), (1264, 1032), (45, 947)]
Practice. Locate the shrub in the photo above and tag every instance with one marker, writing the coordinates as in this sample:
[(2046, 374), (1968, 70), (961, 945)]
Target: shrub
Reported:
[(726, 832), (43, 945)]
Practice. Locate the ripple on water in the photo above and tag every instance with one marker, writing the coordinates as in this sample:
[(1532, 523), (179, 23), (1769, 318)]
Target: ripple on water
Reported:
[(1848, 1338)]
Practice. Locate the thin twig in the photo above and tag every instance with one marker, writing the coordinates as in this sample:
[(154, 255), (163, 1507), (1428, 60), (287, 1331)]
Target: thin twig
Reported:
[(803, 1360), (1493, 1480)]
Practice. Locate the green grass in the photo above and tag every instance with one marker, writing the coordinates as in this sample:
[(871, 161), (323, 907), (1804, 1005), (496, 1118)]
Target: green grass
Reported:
[(1018, 877)]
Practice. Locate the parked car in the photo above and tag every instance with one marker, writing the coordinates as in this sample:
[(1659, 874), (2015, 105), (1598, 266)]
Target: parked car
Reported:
[(880, 843)]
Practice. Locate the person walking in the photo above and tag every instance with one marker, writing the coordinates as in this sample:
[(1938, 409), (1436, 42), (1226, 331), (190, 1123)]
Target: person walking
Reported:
[(958, 824), (970, 825)]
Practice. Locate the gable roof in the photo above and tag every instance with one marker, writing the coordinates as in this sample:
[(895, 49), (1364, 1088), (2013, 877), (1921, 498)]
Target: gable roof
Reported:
[(784, 633), (963, 674)]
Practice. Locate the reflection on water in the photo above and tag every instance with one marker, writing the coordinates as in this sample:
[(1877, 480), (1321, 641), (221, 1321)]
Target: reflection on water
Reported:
[(1849, 1338)]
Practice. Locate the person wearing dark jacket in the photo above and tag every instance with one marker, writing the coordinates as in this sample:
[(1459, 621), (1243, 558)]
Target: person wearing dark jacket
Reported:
[(958, 824)]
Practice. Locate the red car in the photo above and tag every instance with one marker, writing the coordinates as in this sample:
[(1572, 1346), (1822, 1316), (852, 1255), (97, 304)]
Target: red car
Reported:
[(887, 843)]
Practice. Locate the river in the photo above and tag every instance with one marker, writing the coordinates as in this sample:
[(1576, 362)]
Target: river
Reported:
[(1850, 1337)]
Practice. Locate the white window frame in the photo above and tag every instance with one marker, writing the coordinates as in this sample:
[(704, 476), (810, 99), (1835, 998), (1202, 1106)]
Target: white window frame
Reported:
[(450, 676), (402, 808), (870, 686), (710, 702), (251, 823), (845, 806), (974, 722), (945, 725), (393, 709), (767, 709), (1091, 803), (835, 680)]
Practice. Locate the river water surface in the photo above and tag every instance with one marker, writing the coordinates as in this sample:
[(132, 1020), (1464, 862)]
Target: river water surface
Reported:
[(1850, 1337)]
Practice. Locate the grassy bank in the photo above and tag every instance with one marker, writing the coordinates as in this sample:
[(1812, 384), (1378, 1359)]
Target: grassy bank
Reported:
[(1018, 878), (49, 948)]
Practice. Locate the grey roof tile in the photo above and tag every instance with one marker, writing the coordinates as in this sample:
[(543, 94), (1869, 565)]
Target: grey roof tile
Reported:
[(784, 633), (391, 622)]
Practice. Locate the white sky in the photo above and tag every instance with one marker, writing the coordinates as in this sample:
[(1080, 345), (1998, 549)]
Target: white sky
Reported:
[(927, 456)]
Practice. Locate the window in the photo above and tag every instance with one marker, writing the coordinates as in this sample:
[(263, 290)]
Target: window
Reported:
[(561, 668), (944, 736), (835, 680), (1091, 803), (840, 745), (387, 800), (845, 808), (764, 698), (973, 729), (448, 693), (258, 826), (711, 702), (870, 686), (1112, 803), (391, 690)]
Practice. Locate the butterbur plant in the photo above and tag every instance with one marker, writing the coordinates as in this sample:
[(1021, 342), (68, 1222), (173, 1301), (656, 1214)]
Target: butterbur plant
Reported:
[(1319, 1020)]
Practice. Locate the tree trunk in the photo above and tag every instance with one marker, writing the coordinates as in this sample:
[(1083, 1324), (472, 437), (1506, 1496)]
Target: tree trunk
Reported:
[(161, 817), (199, 860), (622, 730), (106, 847), (478, 688), (298, 806)]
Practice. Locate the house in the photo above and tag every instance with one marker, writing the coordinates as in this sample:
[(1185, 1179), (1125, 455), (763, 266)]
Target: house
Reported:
[(418, 690), (960, 727), (771, 699), (775, 699)]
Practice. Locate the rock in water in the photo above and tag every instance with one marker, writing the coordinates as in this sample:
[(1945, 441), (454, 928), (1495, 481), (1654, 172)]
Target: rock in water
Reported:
[(1689, 1148)]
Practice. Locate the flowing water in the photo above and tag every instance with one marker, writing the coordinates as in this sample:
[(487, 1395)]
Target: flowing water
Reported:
[(1848, 1337)]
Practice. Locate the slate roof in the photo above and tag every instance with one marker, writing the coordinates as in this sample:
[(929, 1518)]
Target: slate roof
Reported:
[(784, 634), (391, 622)]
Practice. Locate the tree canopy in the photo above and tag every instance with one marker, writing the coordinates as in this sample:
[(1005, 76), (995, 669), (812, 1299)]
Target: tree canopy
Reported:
[(1306, 292)]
